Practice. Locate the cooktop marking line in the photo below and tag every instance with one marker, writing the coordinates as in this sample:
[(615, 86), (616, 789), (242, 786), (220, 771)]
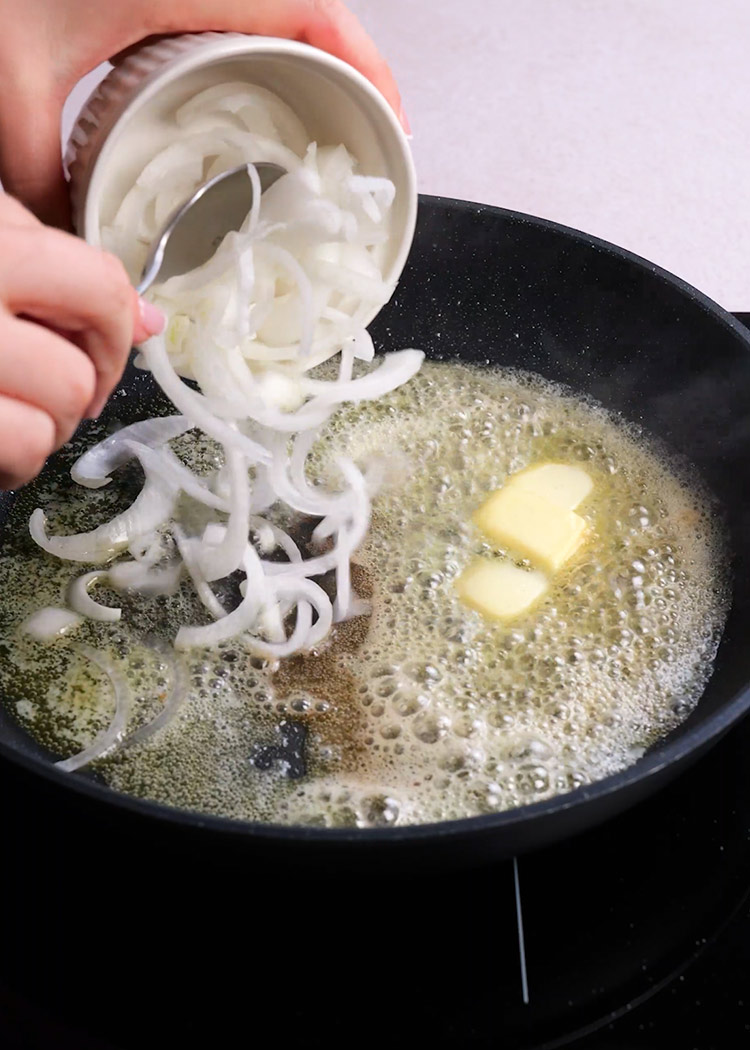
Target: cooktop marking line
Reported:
[(521, 940)]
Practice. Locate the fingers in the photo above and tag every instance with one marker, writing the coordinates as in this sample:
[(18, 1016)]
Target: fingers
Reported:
[(149, 320), (326, 24), (68, 317), (33, 92), (27, 436), (334, 28), (59, 280), (30, 153), (13, 213), (48, 372)]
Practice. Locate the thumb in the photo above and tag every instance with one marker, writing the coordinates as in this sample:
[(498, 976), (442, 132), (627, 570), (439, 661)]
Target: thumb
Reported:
[(30, 151)]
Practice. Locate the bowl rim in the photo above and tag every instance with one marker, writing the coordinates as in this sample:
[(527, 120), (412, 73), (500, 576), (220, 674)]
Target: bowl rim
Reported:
[(656, 760), (193, 50)]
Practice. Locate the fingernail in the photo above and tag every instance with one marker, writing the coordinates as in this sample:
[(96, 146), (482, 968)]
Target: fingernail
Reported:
[(152, 317), (404, 121)]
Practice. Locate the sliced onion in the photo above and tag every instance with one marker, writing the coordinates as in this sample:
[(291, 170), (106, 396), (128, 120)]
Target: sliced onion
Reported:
[(352, 282), (375, 194), (346, 362), (297, 492), (165, 464), (305, 594), (145, 578), (351, 529), (93, 468), (236, 622), (285, 292), (193, 404), (174, 701), (147, 548), (51, 622), (254, 213), (190, 555), (350, 537), (81, 601), (151, 508), (222, 560), (263, 493), (237, 96), (396, 369), (264, 533), (286, 259), (114, 733), (357, 607), (276, 537)]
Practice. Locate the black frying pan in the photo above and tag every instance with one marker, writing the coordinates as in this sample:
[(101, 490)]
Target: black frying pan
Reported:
[(487, 284)]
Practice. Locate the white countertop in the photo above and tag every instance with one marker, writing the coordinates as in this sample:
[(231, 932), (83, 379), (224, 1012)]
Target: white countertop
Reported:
[(629, 119)]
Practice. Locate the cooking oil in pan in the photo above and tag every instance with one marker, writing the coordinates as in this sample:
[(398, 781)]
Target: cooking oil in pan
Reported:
[(425, 709)]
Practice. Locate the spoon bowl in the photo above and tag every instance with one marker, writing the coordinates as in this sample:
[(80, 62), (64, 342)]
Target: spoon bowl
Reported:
[(195, 230)]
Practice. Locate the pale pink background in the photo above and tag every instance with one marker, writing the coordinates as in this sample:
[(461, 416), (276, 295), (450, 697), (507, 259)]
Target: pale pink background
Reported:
[(626, 118)]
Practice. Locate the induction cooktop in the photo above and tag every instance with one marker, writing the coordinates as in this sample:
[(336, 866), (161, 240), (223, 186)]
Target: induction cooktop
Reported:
[(636, 934)]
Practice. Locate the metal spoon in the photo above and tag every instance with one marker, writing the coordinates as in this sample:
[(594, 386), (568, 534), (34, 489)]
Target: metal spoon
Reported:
[(196, 229)]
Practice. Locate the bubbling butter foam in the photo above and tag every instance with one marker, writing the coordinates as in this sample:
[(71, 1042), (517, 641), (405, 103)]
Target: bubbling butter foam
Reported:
[(425, 710)]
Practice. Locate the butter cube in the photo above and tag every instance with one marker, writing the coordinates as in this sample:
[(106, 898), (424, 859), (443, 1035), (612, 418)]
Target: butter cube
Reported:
[(499, 588), (532, 526), (560, 483)]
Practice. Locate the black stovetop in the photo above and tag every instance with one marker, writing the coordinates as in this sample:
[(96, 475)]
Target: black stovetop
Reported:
[(636, 935)]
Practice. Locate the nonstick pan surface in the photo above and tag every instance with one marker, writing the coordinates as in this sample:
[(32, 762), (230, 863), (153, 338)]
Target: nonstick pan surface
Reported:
[(485, 284)]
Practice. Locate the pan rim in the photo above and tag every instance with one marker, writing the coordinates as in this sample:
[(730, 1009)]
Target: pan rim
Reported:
[(664, 754)]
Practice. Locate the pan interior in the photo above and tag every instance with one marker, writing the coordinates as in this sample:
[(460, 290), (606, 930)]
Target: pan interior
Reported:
[(595, 320)]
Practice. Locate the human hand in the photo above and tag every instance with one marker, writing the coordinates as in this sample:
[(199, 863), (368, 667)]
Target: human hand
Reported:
[(68, 317), (47, 45)]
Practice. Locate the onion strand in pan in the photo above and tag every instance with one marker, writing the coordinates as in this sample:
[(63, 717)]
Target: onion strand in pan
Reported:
[(115, 731), (94, 467), (153, 505), (174, 699), (82, 603), (145, 578)]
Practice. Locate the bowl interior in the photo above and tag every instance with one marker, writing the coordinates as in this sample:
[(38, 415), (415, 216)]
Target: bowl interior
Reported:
[(334, 102)]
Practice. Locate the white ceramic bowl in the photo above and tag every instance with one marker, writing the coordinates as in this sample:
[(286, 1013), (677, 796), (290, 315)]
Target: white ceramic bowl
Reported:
[(129, 117)]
